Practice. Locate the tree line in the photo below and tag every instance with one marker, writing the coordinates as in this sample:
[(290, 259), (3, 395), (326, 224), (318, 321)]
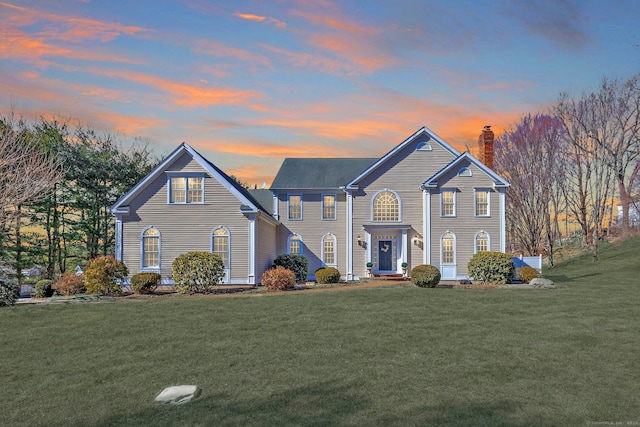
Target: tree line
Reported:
[(571, 164), (57, 181)]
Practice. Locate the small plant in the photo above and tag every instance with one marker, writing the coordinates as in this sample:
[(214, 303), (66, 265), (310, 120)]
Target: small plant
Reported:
[(9, 293), (145, 283), (327, 275), (492, 267), (278, 278), (369, 265), (527, 273), (70, 283), (194, 272), (44, 288), (102, 275), (425, 276), (294, 262)]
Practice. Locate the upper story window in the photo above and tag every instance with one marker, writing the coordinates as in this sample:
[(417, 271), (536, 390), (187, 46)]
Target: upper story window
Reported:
[(448, 203), (329, 206), (295, 244), (220, 244), (465, 172), (295, 206), (151, 248), (423, 146), (482, 202), (186, 189), (329, 249), (386, 206)]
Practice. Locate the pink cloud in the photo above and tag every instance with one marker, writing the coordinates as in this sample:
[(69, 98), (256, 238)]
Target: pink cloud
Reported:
[(260, 18)]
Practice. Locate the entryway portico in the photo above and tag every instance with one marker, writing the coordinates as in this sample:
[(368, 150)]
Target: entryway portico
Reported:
[(387, 247)]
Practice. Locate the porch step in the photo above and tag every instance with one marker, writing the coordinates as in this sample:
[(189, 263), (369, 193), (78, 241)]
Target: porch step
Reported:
[(390, 276)]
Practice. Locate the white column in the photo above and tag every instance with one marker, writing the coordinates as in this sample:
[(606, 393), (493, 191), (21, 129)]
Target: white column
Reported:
[(118, 237), (426, 227), (276, 213), (503, 237), (405, 249), (253, 231), (349, 235)]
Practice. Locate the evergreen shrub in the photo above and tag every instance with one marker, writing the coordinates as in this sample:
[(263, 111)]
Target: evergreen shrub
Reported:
[(491, 267), (278, 278), (294, 262), (425, 276), (196, 272), (44, 288), (327, 275), (145, 283), (527, 273), (9, 293), (103, 274)]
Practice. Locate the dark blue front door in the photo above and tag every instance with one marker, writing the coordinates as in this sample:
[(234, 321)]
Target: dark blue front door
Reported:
[(385, 253)]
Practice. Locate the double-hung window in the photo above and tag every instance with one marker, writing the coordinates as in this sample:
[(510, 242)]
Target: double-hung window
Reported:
[(329, 206), (448, 203), (329, 249), (186, 189), (295, 206), (482, 202), (150, 248)]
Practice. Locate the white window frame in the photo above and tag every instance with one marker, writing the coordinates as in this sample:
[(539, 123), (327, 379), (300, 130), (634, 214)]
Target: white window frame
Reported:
[(295, 237), (465, 172), (475, 202), (185, 177), (373, 206), (335, 249), (442, 261), (423, 146), (289, 217), (335, 207), (228, 236), (452, 191), (152, 268), (475, 241)]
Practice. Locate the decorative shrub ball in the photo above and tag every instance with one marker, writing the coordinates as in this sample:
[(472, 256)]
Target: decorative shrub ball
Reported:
[(44, 288), (103, 274), (425, 276), (491, 267), (527, 273), (70, 283), (327, 275), (196, 271), (294, 262), (145, 283), (278, 279)]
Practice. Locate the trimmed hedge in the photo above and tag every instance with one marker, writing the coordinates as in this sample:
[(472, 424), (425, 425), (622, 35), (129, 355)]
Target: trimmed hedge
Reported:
[(491, 267), (194, 272), (278, 278), (145, 283), (425, 276), (294, 262), (44, 288), (102, 275), (327, 275)]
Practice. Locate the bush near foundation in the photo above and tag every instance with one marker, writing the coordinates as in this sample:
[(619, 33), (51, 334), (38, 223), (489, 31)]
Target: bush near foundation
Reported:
[(491, 267), (294, 262), (327, 275), (145, 283), (527, 273), (103, 274), (278, 278), (425, 276), (69, 283), (195, 272), (44, 288)]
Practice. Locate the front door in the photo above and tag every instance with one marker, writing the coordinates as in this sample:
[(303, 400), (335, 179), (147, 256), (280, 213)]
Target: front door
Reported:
[(385, 255)]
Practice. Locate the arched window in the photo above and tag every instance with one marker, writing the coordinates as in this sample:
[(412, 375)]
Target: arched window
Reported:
[(220, 244), (295, 244), (150, 248), (482, 242), (386, 206), (465, 172), (448, 248), (329, 249), (423, 146)]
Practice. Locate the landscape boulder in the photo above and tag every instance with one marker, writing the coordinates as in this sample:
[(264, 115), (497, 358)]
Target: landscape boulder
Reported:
[(541, 282), (178, 394)]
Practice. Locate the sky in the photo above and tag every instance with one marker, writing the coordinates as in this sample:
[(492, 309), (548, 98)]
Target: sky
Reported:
[(249, 83)]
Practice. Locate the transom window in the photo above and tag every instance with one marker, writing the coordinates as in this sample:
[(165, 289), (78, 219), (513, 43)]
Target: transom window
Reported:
[(186, 189), (482, 202), (151, 248), (386, 207), (482, 242), (295, 244), (448, 248), (448, 203), (329, 206), (295, 206), (220, 245), (329, 249)]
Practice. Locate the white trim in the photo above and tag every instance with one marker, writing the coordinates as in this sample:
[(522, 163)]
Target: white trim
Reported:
[(503, 239), (424, 146), (373, 202), (335, 207), (498, 182), (350, 248), (453, 265), (211, 247), (475, 241), (158, 268), (289, 207), (185, 176), (465, 172), (118, 237), (335, 250), (475, 202), (426, 226), (253, 238), (455, 207), (299, 238)]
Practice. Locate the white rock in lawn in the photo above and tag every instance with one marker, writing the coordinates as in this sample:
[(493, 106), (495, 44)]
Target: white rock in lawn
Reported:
[(541, 282), (178, 394)]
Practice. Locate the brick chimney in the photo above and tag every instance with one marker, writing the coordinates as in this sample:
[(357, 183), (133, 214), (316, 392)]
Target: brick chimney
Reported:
[(485, 144)]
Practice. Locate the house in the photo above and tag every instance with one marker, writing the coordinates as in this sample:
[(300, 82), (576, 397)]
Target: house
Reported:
[(423, 202)]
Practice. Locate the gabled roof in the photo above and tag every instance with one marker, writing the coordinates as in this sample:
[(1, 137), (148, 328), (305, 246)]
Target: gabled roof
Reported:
[(384, 159), (249, 203), (307, 173), (497, 180)]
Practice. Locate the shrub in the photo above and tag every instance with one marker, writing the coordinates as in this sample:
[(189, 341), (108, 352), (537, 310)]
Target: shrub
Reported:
[(425, 276), (44, 288), (194, 272), (278, 278), (527, 273), (492, 267), (294, 262), (70, 283), (327, 275), (145, 283), (9, 293), (102, 275)]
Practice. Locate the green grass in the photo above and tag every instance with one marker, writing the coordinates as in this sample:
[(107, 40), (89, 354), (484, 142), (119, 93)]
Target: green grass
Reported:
[(397, 355)]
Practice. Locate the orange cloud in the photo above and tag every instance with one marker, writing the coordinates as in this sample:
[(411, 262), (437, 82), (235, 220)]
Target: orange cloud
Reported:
[(337, 24), (219, 50), (260, 18)]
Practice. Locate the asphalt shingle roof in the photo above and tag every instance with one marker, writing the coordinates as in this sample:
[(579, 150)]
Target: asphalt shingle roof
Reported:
[(309, 173)]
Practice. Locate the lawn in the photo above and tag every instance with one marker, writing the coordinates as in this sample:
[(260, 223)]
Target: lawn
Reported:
[(395, 355)]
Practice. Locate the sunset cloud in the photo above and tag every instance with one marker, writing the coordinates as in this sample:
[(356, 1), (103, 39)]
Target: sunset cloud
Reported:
[(220, 50), (260, 18)]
